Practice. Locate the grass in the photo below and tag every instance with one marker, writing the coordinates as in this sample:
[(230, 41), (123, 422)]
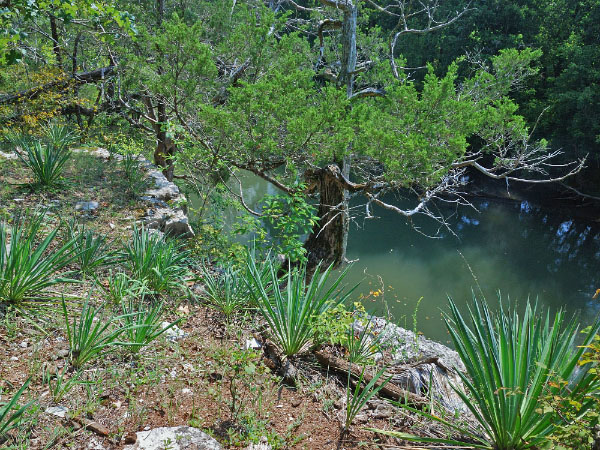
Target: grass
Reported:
[(226, 291), (11, 413)]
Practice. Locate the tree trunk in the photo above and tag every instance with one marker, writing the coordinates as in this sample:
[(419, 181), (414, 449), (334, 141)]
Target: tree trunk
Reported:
[(328, 240)]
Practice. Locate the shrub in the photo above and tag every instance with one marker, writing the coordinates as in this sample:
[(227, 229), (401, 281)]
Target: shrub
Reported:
[(290, 312), (160, 263), (511, 364), (28, 265)]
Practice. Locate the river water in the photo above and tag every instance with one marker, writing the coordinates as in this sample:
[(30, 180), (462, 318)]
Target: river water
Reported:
[(516, 248)]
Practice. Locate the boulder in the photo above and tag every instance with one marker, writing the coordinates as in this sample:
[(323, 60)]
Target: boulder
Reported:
[(423, 367), (174, 438)]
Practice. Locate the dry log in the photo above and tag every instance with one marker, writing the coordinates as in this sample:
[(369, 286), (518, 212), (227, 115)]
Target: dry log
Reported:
[(389, 390)]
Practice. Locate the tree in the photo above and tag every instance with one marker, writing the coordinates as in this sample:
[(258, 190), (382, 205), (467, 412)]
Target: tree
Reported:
[(349, 121)]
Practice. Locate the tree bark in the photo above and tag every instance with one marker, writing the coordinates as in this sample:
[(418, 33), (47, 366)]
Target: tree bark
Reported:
[(328, 241)]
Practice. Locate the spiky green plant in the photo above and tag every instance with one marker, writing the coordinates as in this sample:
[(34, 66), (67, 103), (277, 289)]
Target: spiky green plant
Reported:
[(92, 250), (120, 286), (11, 414), (142, 322), (362, 345), (511, 363), (29, 263), (358, 397), (290, 312), (226, 291), (161, 263), (88, 335), (46, 158)]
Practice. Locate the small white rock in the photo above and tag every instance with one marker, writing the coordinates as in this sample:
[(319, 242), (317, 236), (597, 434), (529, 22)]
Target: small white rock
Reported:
[(186, 391), (59, 411)]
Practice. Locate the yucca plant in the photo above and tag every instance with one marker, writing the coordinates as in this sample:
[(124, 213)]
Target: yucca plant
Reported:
[(120, 286), (46, 158), (362, 345), (160, 263), (511, 363), (358, 397), (28, 262), (92, 251), (11, 414), (290, 312), (89, 336), (226, 291), (142, 322)]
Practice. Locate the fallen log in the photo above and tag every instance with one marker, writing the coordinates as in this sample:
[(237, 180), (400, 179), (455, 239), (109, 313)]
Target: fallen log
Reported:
[(389, 390)]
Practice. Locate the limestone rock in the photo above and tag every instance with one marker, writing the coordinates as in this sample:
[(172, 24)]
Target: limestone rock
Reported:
[(86, 206), (174, 438), (423, 362)]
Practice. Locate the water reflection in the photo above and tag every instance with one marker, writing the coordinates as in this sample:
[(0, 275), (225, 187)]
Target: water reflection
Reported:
[(515, 247)]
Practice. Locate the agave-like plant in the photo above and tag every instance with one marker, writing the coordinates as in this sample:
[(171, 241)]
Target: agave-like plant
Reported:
[(511, 364), (290, 312), (28, 263), (92, 250), (11, 414), (162, 264), (226, 291), (47, 157)]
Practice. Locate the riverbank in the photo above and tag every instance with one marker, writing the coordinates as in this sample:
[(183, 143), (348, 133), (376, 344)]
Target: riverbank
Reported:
[(208, 371)]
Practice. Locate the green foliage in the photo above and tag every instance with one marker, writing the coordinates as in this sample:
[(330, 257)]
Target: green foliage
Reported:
[(29, 262), (291, 217), (226, 290), (120, 286), (92, 250), (142, 322), (46, 158), (88, 336), (11, 414), (160, 263), (135, 179), (291, 312), (333, 324), (575, 419), (59, 384), (363, 345), (511, 364), (358, 397)]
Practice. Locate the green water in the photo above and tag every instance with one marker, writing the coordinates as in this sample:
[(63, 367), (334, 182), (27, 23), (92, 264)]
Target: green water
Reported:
[(517, 248)]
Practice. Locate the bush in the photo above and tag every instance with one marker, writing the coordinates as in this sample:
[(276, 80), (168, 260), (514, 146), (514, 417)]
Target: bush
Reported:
[(28, 265), (511, 364), (160, 263), (290, 312)]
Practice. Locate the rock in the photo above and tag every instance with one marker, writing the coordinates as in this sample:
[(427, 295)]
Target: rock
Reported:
[(186, 391), (174, 333), (14, 358), (24, 344), (253, 344), (58, 411), (8, 155), (423, 362), (174, 438), (262, 445), (86, 206)]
